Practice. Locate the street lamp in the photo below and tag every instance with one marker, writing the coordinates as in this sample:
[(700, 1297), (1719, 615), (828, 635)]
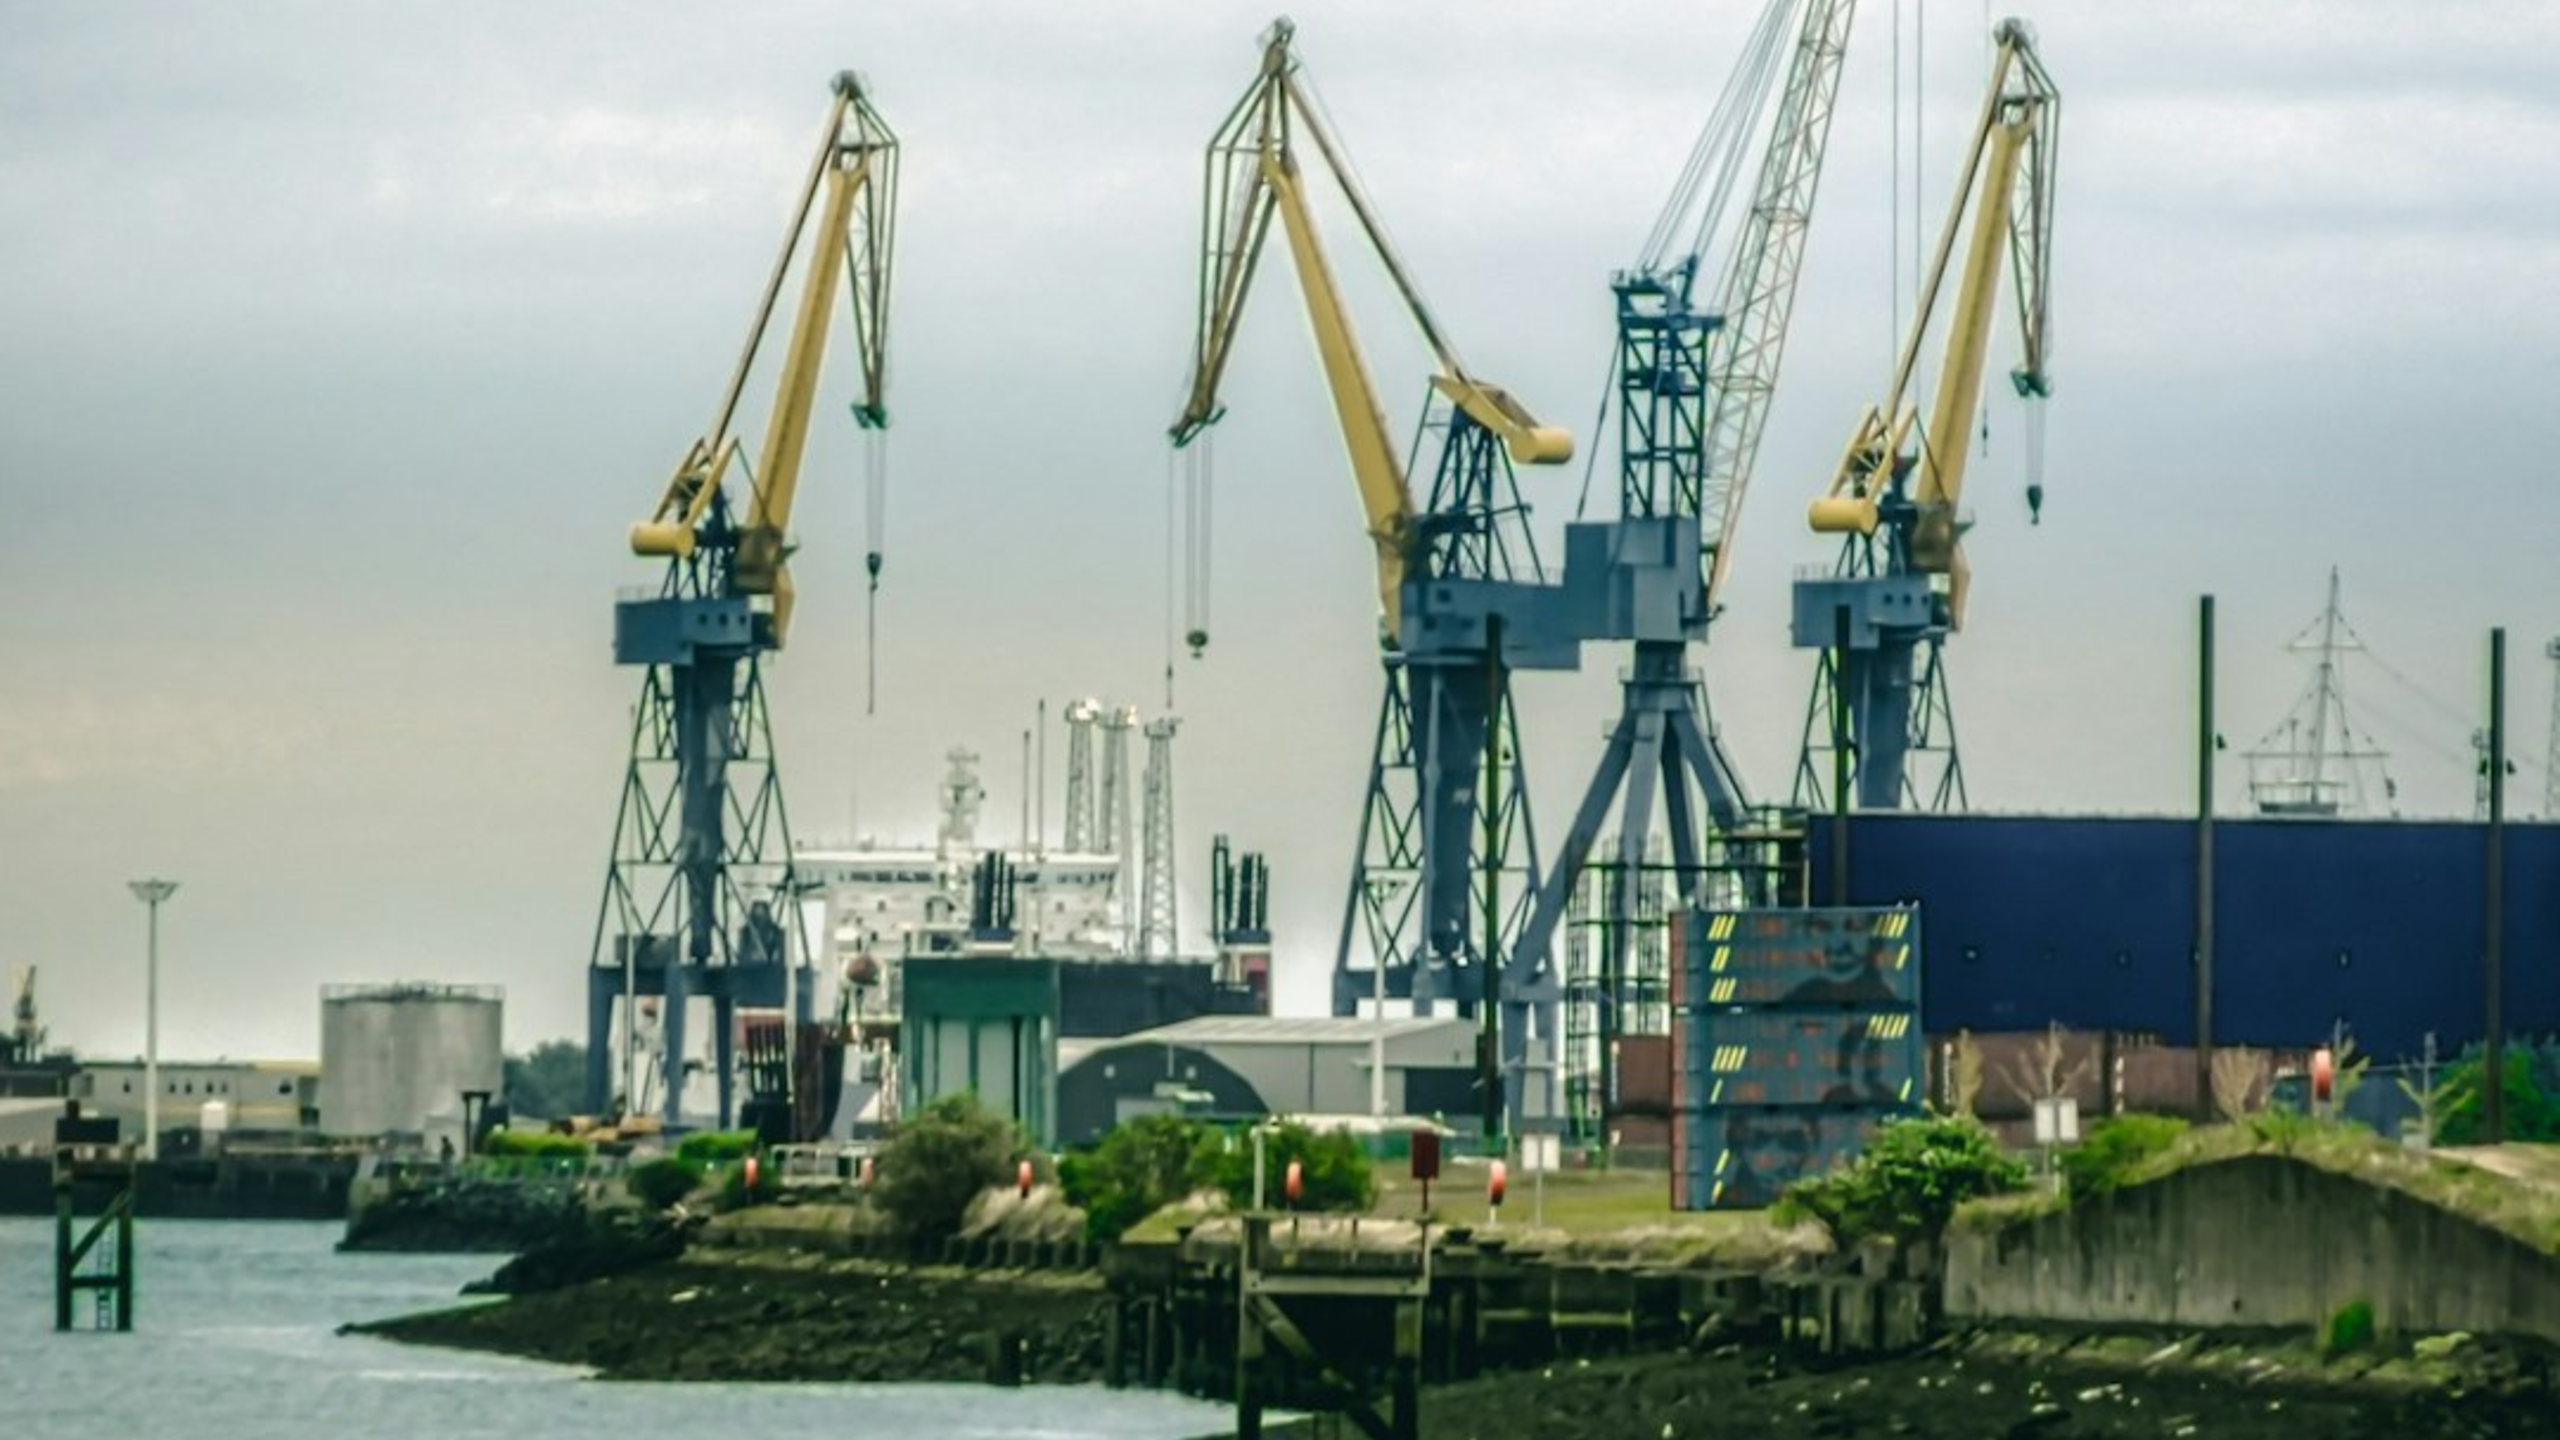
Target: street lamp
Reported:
[(151, 893)]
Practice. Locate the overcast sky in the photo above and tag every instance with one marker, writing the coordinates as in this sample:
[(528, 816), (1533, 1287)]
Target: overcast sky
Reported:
[(340, 343)]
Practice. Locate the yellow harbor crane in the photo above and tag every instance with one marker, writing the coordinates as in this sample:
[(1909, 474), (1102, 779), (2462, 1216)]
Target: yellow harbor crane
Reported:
[(701, 861), (1444, 810), (1901, 584), (1254, 174)]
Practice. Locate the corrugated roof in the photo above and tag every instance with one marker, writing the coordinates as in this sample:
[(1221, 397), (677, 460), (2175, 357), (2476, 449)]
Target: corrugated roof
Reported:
[(1291, 1029)]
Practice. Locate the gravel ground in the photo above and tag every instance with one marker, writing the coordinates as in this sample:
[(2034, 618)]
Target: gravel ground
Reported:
[(1987, 1388)]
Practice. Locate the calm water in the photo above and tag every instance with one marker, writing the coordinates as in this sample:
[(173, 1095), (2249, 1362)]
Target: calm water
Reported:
[(234, 1339)]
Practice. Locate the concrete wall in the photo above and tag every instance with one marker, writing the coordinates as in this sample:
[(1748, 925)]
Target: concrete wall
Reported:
[(2259, 1241)]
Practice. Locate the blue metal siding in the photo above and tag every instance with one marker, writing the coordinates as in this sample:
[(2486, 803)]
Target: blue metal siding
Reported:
[(2090, 922)]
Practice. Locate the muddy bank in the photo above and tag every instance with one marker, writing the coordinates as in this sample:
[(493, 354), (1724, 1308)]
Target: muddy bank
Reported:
[(709, 1317), (1994, 1386)]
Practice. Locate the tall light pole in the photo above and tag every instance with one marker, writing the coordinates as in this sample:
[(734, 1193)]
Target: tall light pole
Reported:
[(151, 893)]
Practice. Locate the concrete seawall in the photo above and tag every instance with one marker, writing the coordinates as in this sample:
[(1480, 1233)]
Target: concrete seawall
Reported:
[(2257, 1241)]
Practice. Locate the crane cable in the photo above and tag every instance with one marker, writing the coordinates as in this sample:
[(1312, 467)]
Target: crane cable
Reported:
[(875, 516), (1199, 490), (1719, 151)]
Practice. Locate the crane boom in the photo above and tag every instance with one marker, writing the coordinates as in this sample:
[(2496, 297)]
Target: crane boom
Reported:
[(1882, 618), (1253, 172), (856, 169), (2014, 141), (1760, 289)]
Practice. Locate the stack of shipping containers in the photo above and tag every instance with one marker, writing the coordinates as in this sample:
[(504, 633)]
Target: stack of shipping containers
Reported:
[(1796, 1033)]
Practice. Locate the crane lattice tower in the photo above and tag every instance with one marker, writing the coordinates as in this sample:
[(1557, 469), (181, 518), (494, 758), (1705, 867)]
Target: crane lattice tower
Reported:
[(1119, 815), (1081, 718), (1159, 929)]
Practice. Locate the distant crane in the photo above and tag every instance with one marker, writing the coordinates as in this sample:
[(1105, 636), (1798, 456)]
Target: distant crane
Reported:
[(26, 1032), (1898, 590), (1446, 811), (699, 884)]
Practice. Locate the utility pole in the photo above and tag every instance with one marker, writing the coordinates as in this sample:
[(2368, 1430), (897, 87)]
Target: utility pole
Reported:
[(2551, 766), (2493, 1074), (2205, 743), (151, 893)]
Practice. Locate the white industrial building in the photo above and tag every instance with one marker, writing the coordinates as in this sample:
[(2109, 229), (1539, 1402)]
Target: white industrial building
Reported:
[(1232, 1065), (266, 1095)]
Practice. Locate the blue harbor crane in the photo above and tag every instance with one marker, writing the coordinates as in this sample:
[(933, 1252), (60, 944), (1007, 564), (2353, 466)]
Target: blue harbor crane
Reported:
[(699, 899), (1692, 387)]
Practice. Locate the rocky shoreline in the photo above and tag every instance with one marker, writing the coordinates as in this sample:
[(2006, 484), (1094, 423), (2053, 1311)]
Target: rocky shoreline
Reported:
[(1994, 1385), (738, 1314), (716, 1315)]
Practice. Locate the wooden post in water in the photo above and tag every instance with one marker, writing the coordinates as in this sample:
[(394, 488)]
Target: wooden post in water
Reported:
[(1264, 1325), (88, 1149)]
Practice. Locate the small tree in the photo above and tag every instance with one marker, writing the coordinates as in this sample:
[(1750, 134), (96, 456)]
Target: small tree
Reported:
[(2046, 1073), (1334, 1173), (939, 1161), (2348, 1066), (1908, 1183), (1964, 1075), (2239, 1080), (1140, 1167)]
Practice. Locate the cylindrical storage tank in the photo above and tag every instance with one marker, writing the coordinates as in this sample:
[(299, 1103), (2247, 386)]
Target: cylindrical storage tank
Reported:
[(392, 1057)]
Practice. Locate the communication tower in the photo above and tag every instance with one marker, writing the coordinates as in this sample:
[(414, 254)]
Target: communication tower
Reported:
[(2314, 764)]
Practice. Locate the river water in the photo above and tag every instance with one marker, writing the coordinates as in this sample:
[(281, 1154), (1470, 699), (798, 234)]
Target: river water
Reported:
[(235, 1339)]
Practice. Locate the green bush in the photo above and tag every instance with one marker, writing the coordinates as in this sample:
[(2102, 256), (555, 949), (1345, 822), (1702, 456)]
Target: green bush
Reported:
[(939, 1161), (661, 1182), (2530, 1112), (1908, 1183), (707, 1148), (532, 1145), (1140, 1167), (2113, 1148), (1334, 1172), (2351, 1328)]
